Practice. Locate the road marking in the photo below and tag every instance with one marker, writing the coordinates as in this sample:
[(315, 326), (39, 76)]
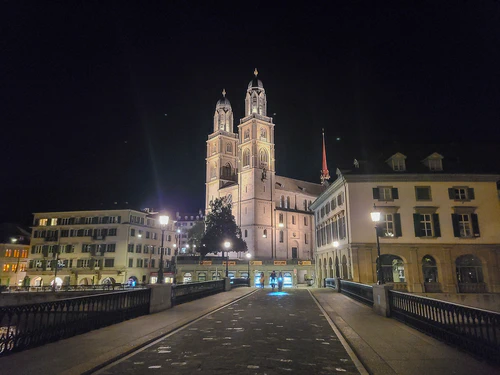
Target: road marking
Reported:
[(362, 370)]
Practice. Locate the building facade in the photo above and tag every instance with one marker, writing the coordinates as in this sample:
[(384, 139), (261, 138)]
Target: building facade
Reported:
[(438, 230), (272, 211), (14, 249), (96, 247), (183, 224)]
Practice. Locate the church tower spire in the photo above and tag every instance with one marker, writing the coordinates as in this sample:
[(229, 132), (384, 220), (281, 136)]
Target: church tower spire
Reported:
[(223, 116), (325, 175), (255, 100)]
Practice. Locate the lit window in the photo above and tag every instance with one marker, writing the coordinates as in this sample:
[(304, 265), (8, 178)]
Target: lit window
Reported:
[(464, 224), (8, 253), (43, 222), (53, 221), (387, 224)]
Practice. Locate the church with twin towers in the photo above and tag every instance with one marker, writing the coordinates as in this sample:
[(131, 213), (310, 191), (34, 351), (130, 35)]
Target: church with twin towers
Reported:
[(272, 211)]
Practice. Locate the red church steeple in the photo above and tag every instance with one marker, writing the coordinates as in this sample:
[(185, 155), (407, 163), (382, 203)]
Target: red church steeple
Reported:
[(325, 175)]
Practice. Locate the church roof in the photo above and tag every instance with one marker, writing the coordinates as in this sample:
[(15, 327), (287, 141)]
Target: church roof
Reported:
[(297, 186), (255, 83)]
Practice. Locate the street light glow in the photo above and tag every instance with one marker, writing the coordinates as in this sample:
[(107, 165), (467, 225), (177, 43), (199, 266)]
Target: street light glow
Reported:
[(227, 244), (375, 216), (335, 243), (248, 255), (164, 219)]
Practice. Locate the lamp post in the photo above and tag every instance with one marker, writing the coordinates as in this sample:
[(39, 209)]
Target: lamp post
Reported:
[(249, 256), (227, 246), (163, 223), (176, 251), (375, 215)]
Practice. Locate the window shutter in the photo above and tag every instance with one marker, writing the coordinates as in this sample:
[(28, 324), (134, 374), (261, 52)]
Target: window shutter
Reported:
[(475, 225), (451, 193), (397, 224), (376, 193), (470, 193), (456, 226), (437, 226), (416, 224), (395, 193)]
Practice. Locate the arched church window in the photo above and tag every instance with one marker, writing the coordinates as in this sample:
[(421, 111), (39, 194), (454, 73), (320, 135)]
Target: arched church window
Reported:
[(263, 134), (246, 134), (287, 202), (263, 158), (227, 171), (281, 236), (229, 148), (246, 158), (282, 201), (221, 121), (254, 104), (281, 218), (305, 204), (264, 234)]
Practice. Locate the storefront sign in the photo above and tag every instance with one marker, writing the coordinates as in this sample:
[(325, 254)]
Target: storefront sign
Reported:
[(304, 262), (230, 263), (256, 263), (280, 262), (206, 262)]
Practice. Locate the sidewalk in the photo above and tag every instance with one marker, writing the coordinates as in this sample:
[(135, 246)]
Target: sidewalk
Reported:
[(386, 346), (82, 353)]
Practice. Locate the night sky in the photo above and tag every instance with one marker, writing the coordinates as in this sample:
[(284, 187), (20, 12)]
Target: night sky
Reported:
[(105, 102)]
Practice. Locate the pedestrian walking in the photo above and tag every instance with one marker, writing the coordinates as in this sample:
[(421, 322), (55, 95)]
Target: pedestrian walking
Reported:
[(272, 279), (262, 279), (280, 281)]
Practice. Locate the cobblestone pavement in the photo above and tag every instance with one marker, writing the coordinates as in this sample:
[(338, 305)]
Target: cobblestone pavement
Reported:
[(265, 333)]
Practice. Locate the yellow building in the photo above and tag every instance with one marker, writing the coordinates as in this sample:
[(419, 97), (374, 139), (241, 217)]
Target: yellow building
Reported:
[(438, 230), (96, 247), (272, 211), (14, 246)]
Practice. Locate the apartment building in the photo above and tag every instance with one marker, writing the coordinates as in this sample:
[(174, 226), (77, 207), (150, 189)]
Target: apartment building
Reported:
[(96, 247), (14, 248), (438, 227)]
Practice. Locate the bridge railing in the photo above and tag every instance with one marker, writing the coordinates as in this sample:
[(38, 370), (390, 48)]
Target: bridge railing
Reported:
[(76, 288), (240, 281), (30, 325), (360, 292), (472, 329), (191, 291)]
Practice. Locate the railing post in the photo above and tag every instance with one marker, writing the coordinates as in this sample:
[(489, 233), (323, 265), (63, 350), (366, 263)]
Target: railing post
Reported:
[(381, 299), (227, 284)]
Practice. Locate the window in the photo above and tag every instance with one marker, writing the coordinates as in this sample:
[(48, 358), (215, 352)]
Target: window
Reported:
[(229, 148), (393, 269), (138, 248), (281, 218), (429, 269), (263, 134), (305, 239), (282, 201), (152, 263), (398, 165), (83, 263), (461, 193), (423, 193), (305, 221), (281, 236), (139, 263), (53, 221), (390, 225), (327, 208), (132, 232), (469, 271), (246, 158), (465, 224), (109, 262), (264, 233), (43, 222), (305, 204), (146, 263), (246, 233), (435, 164), (246, 134), (385, 193), (293, 219), (130, 248), (8, 253), (426, 225), (111, 248), (287, 202), (131, 262), (333, 204), (340, 199), (263, 158)]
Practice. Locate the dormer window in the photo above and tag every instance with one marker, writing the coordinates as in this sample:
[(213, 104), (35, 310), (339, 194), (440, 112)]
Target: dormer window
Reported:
[(398, 165), (397, 162), (436, 165), (434, 162)]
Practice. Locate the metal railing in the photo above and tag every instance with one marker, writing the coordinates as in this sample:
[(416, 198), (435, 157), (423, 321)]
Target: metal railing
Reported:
[(240, 281), (472, 329), (331, 282), (360, 292), (76, 288), (191, 291), (27, 326)]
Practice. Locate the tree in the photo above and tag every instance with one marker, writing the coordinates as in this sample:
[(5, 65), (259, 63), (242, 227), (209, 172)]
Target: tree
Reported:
[(195, 235), (221, 227)]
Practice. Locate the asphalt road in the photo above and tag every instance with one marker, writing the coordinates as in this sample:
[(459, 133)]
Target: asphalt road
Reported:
[(264, 333)]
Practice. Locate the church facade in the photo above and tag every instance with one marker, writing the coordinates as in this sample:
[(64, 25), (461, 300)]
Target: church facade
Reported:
[(273, 211)]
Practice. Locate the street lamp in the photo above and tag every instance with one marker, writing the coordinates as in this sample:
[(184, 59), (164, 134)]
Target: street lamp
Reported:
[(249, 256), (163, 224), (176, 251), (375, 215), (227, 245)]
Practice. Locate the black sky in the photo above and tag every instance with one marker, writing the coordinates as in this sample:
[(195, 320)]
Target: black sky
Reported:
[(107, 102)]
